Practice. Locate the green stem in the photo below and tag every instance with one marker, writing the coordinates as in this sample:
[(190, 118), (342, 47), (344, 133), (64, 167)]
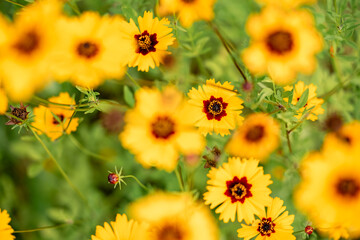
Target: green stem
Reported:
[(44, 228), (288, 138), (137, 180), (298, 231), (179, 178), (58, 166), (74, 7), (133, 80), (84, 150), (15, 3)]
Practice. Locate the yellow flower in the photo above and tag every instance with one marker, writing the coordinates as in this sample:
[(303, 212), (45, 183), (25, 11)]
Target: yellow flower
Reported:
[(158, 129), (3, 102), (347, 138), (257, 137), (26, 52), (330, 190), (55, 127), (91, 50), (312, 101), (282, 44), (188, 11), (5, 229), (216, 107), (175, 216), (239, 187), (121, 229), (275, 224), (286, 4), (147, 46)]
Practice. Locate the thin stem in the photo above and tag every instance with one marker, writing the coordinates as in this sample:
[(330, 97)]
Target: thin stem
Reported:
[(58, 166), (288, 138), (223, 41), (138, 181), (297, 125), (133, 80), (179, 178), (74, 7), (298, 231), (15, 3), (44, 228), (84, 150)]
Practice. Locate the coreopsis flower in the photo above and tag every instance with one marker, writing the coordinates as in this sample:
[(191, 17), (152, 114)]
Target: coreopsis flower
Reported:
[(283, 43), (175, 216), (5, 229), (148, 45), (91, 50), (346, 138), (159, 129), (312, 101), (27, 49), (216, 107), (238, 187), (55, 120), (121, 229), (19, 113), (286, 4), (257, 137), (274, 224), (330, 191), (188, 11), (3, 102)]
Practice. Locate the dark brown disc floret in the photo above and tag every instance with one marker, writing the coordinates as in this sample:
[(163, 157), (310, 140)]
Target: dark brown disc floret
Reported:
[(163, 127), (280, 42), (238, 189), (87, 49), (266, 227), (28, 43), (348, 187), (146, 42), (255, 133), (215, 108)]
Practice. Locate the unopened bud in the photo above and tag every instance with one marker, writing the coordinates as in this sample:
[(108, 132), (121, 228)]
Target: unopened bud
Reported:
[(309, 230)]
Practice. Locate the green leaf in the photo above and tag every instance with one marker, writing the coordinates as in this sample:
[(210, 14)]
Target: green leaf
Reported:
[(303, 99), (129, 97), (82, 89)]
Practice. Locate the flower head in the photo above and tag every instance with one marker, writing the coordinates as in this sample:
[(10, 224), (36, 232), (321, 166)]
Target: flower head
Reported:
[(283, 43), (238, 186), (274, 224), (54, 121), (121, 229), (216, 107), (158, 129), (257, 137), (18, 112), (5, 229), (175, 216), (148, 45)]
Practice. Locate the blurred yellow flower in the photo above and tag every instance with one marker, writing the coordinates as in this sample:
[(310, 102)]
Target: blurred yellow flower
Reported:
[(159, 128), (312, 102), (149, 45), (216, 107), (188, 11), (175, 216), (5, 229), (27, 49), (238, 187), (91, 50), (121, 229), (257, 137), (54, 127), (3, 102), (283, 43), (274, 224), (330, 191), (286, 4)]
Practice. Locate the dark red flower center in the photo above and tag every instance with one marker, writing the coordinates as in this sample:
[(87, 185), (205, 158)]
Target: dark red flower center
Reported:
[(238, 189), (163, 127), (61, 118), (280, 42), (28, 43), (170, 232), (146, 42), (255, 133), (87, 49), (348, 187), (266, 227), (214, 108)]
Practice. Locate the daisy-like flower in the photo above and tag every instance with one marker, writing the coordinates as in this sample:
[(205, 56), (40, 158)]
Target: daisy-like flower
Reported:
[(149, 44), (175, 216), (54, 120), (91, 50), (121, 229), (189, 11), (216, 107), (286, 4), (283, 43), (330, 190), (239, 187), (159, 128), (27, 49), (274, 224), (312, 102), (347, 138), (3, 102), (5, 229), (257, 137)]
